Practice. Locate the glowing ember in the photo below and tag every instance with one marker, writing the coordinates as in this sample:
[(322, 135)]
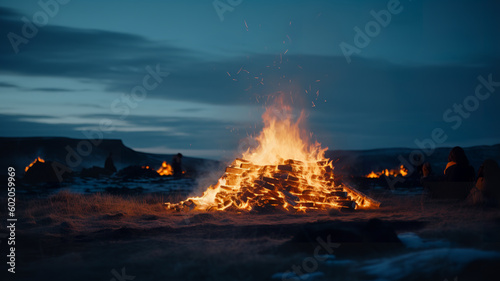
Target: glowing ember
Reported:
[(283, 172), (165, 169), (33, 163), (402, 171)]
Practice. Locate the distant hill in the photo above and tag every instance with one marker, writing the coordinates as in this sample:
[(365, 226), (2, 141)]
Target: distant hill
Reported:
[(82, 153), (19, 152)]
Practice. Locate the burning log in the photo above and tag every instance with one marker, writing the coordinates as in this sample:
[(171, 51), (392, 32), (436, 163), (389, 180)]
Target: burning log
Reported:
[(364, 201), (291, 161), (236, 171), (339, 193), (271, 180), (285, 168)]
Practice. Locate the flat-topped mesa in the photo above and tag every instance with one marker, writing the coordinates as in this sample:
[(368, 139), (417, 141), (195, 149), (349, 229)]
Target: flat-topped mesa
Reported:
[(290, 185)]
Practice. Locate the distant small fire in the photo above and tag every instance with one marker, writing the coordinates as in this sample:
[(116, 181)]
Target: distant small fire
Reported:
[(165, 169), (402, 171), (33, 163)]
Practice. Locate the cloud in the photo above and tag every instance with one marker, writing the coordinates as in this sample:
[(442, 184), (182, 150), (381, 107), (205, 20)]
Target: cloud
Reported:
[(8, 13), (17, 126), (118, 61), (8, 85), (81, 53), (52, 90), (173, 133)]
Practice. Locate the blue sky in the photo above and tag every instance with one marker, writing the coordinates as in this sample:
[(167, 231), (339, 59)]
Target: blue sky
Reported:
[(65, 79)]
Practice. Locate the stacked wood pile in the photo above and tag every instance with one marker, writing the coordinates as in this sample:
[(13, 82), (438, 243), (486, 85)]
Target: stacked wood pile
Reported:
[(291, 185)]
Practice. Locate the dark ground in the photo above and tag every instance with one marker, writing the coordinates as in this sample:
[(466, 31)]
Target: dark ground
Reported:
[(93, 237)]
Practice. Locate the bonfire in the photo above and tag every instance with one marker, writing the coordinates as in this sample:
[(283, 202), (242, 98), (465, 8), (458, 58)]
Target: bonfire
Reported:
[(285, 171), (401, 172), (38, 159), (165, 169)]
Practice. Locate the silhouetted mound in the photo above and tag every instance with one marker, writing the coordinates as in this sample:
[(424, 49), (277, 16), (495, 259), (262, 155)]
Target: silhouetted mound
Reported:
[(344, 238), (47, 172), (137, 172)]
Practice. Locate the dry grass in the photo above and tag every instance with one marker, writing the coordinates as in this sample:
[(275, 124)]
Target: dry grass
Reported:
[(83, 213), (66, 203)]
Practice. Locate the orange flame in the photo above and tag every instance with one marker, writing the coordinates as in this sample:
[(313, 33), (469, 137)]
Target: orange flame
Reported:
[(33, 163), (402, 171), (283, 172), (165, 169)]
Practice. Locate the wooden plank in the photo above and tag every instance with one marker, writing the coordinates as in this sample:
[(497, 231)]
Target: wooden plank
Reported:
[(291, 161), (236, 171), (339, 193), (356, 193), (227, 188), (285, 168), (271, 180), (269, 186), (305, 204), (249, 166)]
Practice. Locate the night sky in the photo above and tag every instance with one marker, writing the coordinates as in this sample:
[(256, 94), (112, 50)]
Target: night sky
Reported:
[(83, 68)]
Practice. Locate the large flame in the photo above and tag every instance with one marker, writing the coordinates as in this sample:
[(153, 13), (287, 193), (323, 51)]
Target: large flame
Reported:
[(33, 163), (284, 171), (281, 138)]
